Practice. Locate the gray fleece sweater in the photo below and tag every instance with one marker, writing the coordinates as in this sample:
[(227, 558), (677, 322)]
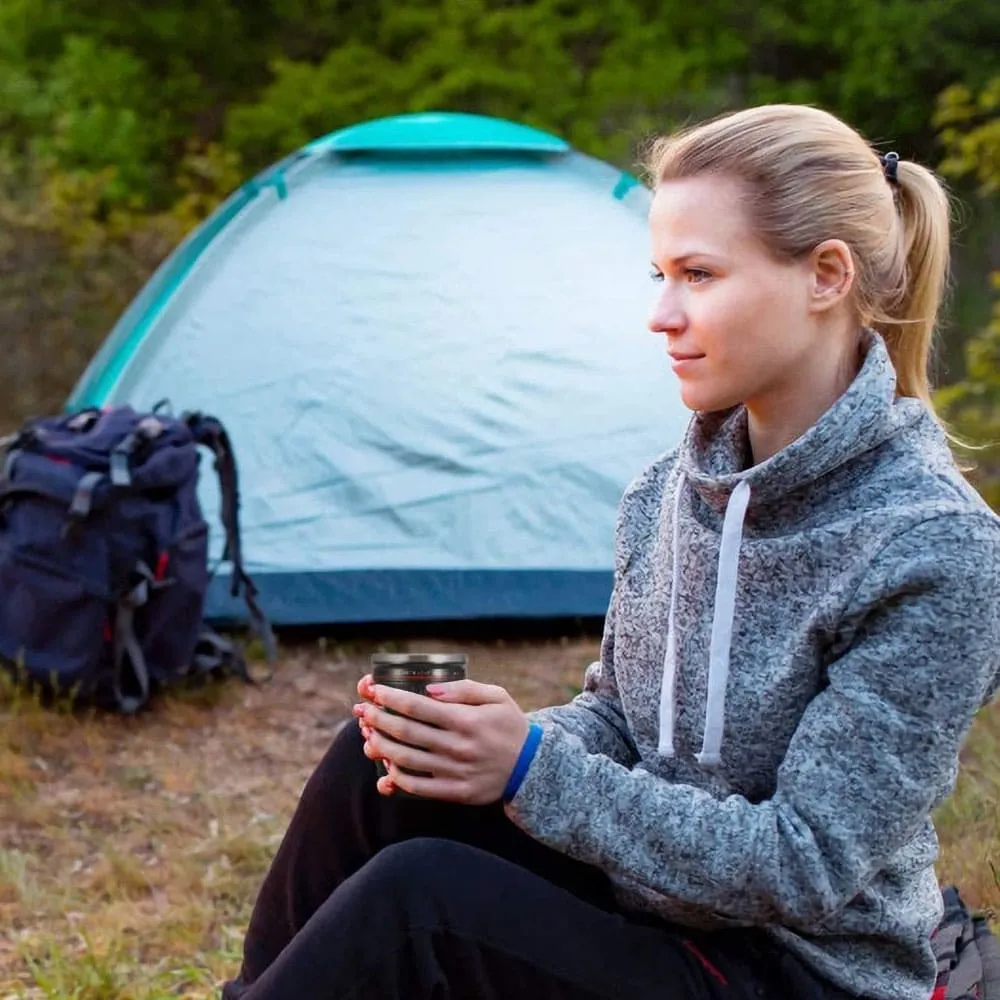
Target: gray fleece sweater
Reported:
[(792, 656)]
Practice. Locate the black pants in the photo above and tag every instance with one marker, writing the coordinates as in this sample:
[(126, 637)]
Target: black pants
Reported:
[(373, 897)]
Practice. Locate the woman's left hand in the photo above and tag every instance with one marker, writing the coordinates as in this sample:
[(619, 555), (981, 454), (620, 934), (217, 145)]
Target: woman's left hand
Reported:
[(472, 752)]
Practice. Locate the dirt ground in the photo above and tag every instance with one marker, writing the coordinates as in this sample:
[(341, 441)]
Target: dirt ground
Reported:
[(130, 849)]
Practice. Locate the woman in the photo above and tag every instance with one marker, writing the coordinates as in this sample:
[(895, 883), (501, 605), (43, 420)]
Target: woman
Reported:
[(805, 619)]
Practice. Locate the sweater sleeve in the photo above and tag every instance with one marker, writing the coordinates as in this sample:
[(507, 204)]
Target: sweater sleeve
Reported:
[(875, 751), (594, 720)]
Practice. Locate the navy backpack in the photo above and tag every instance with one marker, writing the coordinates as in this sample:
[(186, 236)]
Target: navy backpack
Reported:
[(104, 554)]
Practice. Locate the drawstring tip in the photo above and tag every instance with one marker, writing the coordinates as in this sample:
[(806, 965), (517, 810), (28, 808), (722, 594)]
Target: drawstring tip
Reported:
[(709, 758)]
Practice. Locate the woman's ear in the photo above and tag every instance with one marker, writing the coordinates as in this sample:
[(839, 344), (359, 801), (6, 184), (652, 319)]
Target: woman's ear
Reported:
[(832, 272)]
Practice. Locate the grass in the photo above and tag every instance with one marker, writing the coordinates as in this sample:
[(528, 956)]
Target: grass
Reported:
[(969, 822), (131, 849)]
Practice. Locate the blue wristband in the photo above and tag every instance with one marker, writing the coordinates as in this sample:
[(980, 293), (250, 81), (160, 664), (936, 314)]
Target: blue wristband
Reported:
[(524, 760)]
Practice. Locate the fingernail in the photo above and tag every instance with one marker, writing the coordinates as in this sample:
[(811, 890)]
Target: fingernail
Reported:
[(433, 689)]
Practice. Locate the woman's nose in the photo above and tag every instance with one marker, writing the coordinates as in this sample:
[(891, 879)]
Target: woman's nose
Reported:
[(667, 315)]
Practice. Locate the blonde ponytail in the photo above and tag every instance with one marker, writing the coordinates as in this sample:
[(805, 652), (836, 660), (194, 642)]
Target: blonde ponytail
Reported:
[(908, 323)]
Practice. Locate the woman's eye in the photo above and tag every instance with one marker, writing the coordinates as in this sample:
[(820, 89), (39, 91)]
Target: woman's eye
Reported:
[(696, 275)]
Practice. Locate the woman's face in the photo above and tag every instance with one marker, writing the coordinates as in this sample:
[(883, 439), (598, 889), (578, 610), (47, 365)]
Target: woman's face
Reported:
[(738, 323)]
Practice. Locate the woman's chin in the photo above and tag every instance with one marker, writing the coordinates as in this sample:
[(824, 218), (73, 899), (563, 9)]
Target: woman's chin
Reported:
[(699, 399)]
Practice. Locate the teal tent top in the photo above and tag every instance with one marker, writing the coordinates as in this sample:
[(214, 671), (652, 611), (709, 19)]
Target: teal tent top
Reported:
[(426, 336), (440, 131)]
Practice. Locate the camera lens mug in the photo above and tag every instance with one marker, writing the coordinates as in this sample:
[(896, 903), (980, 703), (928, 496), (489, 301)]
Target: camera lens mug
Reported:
[(413, 672)]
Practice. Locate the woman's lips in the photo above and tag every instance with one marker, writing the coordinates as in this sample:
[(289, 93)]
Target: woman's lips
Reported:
[(682, 362)]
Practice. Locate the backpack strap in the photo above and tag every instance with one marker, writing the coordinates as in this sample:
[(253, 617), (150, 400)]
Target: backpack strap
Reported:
[(967, 953), (216, 655), (989, 954), (126, 649), (147, 429), (967, 976), (210, 432), (83, 498)]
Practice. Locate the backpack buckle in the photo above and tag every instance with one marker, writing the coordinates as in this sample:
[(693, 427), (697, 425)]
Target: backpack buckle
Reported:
[(84, 420), (83, 498), (149, 428)]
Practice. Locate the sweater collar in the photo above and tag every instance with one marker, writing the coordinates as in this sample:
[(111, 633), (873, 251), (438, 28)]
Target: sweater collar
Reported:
[(714, 452)]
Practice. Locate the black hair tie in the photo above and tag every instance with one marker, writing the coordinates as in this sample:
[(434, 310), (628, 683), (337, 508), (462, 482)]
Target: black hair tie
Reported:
[(890, 164)]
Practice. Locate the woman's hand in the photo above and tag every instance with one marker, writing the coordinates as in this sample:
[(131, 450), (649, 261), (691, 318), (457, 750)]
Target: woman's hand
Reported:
[(471, 753)]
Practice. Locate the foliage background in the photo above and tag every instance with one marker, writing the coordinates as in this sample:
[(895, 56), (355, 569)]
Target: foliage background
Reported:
[(122, 125)]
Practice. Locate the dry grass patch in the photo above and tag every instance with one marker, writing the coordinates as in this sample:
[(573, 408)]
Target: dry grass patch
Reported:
[(131, 849), (969, 822)]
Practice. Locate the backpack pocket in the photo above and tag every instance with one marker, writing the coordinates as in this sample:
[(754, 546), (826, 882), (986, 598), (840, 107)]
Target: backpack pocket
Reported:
[(54, 596), (169, 624)]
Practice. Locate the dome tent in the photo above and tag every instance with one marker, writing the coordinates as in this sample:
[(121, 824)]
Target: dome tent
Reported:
[(426, 337)]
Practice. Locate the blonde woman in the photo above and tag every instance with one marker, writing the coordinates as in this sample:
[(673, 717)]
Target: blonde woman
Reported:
[(805, 619)]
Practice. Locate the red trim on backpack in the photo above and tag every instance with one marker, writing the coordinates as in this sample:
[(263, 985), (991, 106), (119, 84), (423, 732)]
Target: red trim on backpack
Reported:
[(162, 562), (939, 993), (711, 969)]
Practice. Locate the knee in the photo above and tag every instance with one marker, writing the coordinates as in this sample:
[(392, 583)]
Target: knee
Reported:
[(420, 862), (428, 876)]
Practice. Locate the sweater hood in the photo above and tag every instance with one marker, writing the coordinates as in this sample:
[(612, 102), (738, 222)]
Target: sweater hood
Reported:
[(714, 452)]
